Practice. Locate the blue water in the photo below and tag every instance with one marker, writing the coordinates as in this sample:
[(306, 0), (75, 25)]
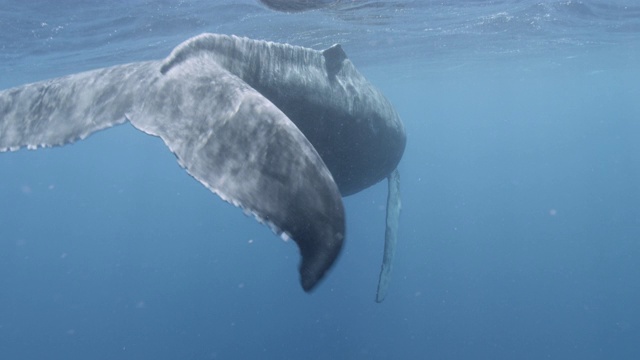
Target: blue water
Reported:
[(520, 230)]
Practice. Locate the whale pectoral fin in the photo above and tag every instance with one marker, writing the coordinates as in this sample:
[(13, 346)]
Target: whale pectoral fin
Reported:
[(390, 235), (243, 148), (66, 109)]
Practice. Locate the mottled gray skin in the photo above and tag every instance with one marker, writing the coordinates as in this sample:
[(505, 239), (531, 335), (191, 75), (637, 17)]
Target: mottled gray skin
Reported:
[(253, 121)]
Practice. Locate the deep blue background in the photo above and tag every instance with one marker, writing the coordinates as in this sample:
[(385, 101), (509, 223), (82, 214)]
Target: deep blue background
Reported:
[(520, 230)]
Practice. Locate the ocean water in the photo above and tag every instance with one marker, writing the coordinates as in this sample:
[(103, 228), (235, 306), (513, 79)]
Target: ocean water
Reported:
[(520, 230)]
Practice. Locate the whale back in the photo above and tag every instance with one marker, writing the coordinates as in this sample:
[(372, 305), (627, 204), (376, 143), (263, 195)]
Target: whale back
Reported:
[(354, 128)]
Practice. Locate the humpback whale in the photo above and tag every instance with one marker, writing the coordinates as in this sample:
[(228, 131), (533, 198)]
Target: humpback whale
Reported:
[(281, 131), (297, 5)]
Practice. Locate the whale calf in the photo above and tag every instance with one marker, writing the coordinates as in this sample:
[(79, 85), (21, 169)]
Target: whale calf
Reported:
[(281, 131)]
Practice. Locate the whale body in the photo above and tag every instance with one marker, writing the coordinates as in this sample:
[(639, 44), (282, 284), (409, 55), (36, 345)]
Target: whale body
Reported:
[(280, 131)]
